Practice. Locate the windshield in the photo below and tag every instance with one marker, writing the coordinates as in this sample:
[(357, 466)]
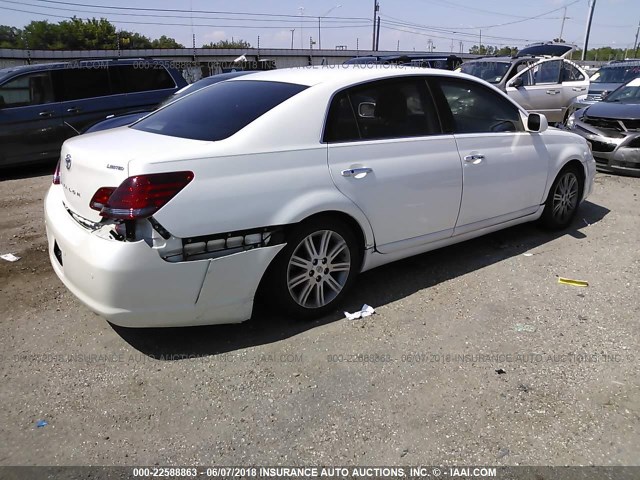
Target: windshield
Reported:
[(630, 93), (615, 74), (492, 72), (219, 111)]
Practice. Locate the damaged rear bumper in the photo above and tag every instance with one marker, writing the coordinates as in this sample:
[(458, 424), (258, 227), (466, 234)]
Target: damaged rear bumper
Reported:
[(130, 285)]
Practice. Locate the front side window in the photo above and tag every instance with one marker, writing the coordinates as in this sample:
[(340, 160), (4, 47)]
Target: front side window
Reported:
[(30, 89), (382, 109), (547, 72), (476, 109), (218, 111)]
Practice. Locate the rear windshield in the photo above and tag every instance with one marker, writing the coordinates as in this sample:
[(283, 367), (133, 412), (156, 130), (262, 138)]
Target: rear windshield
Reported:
[(219, 111), (491, 72)]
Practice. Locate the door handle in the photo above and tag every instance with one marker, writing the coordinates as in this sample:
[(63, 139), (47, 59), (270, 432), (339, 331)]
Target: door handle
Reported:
[(474, 159), (46, 113), (73, 110), (356, 172), (553, 92), (579, 89)]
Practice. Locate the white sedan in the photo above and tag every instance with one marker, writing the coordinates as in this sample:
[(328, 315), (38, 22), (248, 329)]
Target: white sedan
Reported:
[(291, 182)]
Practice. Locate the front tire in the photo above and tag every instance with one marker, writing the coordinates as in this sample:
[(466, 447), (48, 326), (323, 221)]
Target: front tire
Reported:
[(563, 199), (315, 269)]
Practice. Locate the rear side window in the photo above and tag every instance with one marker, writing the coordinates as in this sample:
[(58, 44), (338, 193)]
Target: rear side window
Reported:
[(382, 109), (130, 78), (31, 89), (571, 73), (219, 111), (83, 82)]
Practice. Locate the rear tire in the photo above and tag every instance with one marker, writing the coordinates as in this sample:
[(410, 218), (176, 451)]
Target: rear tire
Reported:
[(563, 199), (314, 270)]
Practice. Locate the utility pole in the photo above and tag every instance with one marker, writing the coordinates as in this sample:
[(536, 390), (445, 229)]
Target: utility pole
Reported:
[(301, 9), (635, 43), (378, 35), (376, 7), (292, 30), (564, 17), (592, 6)]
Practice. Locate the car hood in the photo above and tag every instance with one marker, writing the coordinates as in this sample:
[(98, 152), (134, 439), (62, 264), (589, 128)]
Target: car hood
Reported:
[(602, 87), (615, 111)]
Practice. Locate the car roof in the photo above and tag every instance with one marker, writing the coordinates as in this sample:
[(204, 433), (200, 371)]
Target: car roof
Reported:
[(494, 59), (339, 75), (9, 71), (622, 64)]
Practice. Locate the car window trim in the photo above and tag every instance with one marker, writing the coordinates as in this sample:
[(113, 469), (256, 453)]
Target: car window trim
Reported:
[(425, 94)]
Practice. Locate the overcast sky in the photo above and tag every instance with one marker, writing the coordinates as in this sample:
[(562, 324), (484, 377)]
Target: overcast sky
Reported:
[(411, 24)]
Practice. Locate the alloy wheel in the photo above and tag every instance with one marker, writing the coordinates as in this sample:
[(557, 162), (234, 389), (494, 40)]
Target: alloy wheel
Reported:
[(318, 269), (565, 197)]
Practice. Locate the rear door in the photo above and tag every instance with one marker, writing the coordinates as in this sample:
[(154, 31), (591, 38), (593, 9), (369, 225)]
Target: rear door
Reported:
[(387, 153), (86, 95), (541, 88), (575, 82), (31, 124)]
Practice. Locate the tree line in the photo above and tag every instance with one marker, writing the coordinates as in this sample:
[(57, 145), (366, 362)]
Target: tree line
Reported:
[(603, 54), (89, 34)]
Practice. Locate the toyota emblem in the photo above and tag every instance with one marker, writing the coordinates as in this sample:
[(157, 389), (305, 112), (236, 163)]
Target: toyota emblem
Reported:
[(67, 161)]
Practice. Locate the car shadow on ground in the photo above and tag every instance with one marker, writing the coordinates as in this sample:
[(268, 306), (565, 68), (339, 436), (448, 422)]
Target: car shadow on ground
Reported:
[(376, 287), (37, 169)]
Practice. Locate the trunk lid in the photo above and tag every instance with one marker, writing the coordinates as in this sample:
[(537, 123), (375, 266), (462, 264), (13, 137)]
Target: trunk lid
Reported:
[(101, 159)]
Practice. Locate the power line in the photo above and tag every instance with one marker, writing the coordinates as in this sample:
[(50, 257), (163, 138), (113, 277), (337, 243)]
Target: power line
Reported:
[(211, 12), (181, 24)]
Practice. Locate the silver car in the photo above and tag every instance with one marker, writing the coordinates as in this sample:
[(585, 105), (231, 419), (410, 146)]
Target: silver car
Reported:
[(549, 87), (540, 78)]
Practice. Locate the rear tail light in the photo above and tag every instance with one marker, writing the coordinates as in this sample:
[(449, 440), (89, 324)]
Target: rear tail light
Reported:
[(56, 174), (140, 196), (100, 198)]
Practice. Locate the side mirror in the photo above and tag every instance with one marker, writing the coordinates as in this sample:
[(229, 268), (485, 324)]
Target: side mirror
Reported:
[(517, 82), (537, 123)]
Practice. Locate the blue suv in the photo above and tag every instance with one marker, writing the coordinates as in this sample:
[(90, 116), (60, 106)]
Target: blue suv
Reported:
[(43, 105)]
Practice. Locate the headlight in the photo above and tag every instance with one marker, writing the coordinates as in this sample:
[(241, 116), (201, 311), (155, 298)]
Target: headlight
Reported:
[(571, 121)]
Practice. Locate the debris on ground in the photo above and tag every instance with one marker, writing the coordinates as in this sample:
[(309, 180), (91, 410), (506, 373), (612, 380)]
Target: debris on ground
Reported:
[(523, 327), (10, 257), (572, 282), (503, 452), (365, 311), (528, 254), (41, 423), (500, 371)]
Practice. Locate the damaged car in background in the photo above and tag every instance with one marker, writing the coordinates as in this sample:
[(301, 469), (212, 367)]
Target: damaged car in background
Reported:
[(287, 184), (612, 126)]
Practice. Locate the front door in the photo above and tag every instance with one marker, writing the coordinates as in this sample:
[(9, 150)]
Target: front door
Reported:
[(504, 167)]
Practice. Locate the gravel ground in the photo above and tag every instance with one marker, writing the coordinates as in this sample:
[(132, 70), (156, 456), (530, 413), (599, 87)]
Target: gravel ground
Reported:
[(417, 383)]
